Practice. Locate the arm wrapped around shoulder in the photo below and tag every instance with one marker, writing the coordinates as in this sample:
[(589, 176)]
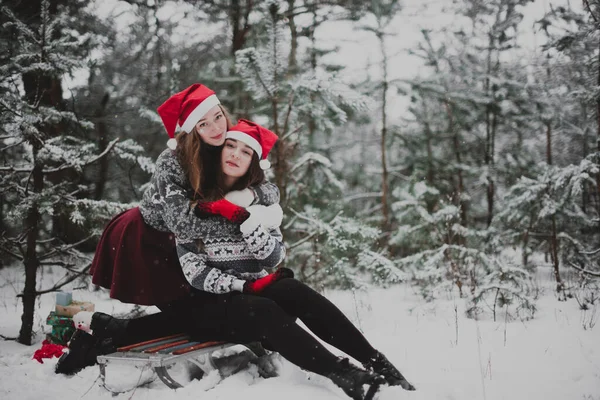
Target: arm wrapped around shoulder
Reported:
[(224, 208)]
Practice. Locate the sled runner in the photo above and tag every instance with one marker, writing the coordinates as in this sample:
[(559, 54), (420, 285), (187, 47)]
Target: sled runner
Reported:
[(162, 353)]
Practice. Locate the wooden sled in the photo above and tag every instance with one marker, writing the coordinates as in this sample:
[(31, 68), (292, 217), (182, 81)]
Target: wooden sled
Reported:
[(162, 353)]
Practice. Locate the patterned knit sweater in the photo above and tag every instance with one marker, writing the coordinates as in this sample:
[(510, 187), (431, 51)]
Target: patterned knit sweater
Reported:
[(213, 253), (222, 264)]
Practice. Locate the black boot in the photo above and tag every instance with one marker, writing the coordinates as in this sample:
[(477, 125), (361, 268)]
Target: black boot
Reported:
[(82, 353), (382, 366), (106, 327), (352, 379)]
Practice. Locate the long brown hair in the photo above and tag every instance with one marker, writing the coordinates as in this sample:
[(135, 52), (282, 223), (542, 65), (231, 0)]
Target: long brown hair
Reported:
[(196, 158), (214, 186)]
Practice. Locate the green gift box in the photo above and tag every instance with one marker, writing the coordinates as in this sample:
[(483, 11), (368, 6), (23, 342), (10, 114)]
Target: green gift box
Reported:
[(62, 328)]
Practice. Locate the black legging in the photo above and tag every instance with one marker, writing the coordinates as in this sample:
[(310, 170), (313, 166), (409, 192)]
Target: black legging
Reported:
[(268, 318)]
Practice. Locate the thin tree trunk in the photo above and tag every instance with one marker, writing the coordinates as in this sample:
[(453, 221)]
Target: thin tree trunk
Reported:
[(384, 174), (585, 150), (31, 261), (555, 261), (313, 65), (292, 58), (549, 143), (281, 168), (459, 190), (553, 233), (240, 27), (598, 139), (429, 145), (102, 143), (489, 116)]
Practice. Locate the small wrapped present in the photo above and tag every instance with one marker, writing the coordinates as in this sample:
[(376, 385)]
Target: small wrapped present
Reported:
[(62, 328), (74, 308), (64, 298)]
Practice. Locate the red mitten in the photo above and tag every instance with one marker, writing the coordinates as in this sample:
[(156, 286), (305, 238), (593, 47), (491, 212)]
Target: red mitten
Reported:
[(257, 286), (224, 208)]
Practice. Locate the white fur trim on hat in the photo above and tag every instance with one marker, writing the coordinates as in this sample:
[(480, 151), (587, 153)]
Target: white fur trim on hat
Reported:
[(264, 164), (199, 112), (172, 143), (245, 138)]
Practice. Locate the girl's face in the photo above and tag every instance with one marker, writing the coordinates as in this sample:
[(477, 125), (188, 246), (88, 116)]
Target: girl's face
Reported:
[(212, 127), (236, 158)]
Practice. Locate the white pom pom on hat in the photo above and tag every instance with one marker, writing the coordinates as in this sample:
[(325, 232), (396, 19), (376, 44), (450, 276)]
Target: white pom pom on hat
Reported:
[(172, 143), (264, 164)]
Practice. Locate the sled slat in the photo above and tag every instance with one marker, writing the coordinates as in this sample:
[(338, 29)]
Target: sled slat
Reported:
[(181, 346), (197, 347), (140, 347), (147, 342), (156, 349)]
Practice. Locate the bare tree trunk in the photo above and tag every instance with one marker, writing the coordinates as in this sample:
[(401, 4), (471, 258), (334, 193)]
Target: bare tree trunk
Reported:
[(281, 147), (458, 195), (102, 143), (553, 234), (30, 260), (489, 142), (549, 143), (384, 174), (598, 140), (585, 150), (313, 65), (555, 261), (292, 58), (240, 27), (429, 145)]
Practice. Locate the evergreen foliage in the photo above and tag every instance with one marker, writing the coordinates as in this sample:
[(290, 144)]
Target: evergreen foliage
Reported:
[(326, 247), (45, 203)]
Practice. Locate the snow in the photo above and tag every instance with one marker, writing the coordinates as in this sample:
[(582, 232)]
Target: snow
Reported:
[(444, 354)]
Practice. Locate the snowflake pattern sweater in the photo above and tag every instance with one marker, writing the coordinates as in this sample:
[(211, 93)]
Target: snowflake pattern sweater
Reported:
[(213, 253)]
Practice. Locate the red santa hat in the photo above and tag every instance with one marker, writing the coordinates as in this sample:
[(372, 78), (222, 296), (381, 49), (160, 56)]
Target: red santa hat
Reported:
[(260, 139), (185, 109)]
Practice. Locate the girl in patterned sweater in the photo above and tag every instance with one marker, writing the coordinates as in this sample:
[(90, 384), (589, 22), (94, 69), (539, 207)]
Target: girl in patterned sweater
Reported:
[(266, 310)]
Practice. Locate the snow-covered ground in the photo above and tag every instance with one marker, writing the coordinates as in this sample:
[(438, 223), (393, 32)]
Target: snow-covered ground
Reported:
[(445, 354)]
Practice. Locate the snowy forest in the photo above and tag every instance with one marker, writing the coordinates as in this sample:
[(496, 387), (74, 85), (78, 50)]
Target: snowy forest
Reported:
[(460, 175)]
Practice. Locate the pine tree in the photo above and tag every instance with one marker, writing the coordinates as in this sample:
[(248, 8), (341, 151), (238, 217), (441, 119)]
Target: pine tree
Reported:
[(44, 147)]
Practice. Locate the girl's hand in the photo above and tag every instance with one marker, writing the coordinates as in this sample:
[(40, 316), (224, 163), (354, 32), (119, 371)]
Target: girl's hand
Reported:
[(267, 216), (257, 286)]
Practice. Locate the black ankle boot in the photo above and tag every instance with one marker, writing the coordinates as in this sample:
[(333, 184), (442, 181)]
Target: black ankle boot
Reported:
[(352, 379), (82, 353), (382, 366), (105, 327)]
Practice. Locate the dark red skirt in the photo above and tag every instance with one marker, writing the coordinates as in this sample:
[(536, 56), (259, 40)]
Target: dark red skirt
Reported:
[(138, 263)]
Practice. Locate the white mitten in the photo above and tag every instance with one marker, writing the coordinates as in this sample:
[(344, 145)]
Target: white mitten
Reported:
[(273, 216), (268, 216), (257, 213), (242, 198)]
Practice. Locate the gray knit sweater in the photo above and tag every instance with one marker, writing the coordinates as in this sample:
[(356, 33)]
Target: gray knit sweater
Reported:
[(214, 255)]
